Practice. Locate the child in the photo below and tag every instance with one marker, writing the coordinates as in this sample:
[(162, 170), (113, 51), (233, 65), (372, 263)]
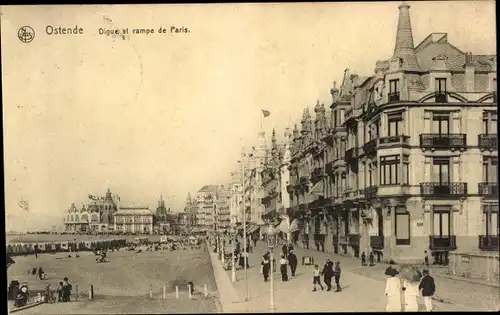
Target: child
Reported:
[(316, 278), (336, 274), (60, 292)]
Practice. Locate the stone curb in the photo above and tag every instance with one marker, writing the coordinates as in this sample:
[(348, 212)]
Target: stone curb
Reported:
[(17, 309), (492, 285)]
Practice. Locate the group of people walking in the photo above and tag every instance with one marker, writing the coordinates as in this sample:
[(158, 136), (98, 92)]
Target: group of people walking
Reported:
[(409, 288), (329, 271)]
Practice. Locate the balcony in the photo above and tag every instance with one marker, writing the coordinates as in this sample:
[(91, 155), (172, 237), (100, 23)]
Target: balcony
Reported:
[(350, 154), (290, 189), (488, 242), (441, 97), (395, 141), (487, 142), (353, 239), (304, 180), (370, 147), (329, 168), (433, 141), (440, 190), (371, 192), (443, 242), (317, 173), (377, 242), (394, 97), (488, 189)]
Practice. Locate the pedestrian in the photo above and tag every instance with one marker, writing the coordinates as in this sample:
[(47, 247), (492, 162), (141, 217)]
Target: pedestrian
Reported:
[(363, 259), (36, 251), (290, 248), (336, 273), (60, 292), (292, 261), (428, 288), (328, 274), (266, 265), (372, 258), (40, 273), (426, 259), (284, 268), (316, 278), (284, 250), (33, 271), (393, 291), (67, 287), (411, 278)]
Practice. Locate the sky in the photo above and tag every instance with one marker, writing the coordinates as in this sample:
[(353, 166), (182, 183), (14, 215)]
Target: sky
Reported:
[(155, 114)]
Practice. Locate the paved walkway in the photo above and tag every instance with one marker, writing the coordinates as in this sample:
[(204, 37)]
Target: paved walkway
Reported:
[(363, 289)]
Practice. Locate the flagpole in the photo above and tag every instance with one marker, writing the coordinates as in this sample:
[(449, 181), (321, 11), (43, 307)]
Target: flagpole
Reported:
[(261, 120)]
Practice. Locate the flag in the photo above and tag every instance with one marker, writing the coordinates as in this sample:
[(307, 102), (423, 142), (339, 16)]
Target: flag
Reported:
[(266, 113), (92, 197), (317, 189)]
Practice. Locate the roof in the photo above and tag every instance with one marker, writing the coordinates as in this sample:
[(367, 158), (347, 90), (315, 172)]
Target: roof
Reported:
[(208, 188), (133, 211)]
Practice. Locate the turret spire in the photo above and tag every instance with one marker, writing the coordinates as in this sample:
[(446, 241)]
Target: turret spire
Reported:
[(404, 47)]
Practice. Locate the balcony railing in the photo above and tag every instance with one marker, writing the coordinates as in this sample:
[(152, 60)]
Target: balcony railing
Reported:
[(488, 189), (441, 96), (443, 242), (329, 168), (377, 242), (370, 147), (452, 189), (443, 141), (371, 192), (394, 97), (487, 142), (488, 242), (350, 154)]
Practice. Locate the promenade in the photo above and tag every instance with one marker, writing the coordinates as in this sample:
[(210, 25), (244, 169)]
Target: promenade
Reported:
[(362, 288)]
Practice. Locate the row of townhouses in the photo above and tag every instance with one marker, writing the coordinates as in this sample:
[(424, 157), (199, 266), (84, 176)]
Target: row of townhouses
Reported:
[(403, 161)]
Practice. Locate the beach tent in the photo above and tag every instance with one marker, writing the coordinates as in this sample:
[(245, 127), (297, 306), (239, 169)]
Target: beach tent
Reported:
[(10, 261)]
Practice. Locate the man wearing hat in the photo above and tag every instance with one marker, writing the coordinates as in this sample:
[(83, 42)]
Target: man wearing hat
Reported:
[(428, 288)]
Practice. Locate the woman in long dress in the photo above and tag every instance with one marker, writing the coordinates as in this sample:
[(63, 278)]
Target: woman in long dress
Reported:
[(411, 278), (393, 292)]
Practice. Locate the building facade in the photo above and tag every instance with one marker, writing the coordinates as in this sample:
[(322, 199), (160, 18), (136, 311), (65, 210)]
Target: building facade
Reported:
[(96, 217), (135, 220), (162, 223), (206, 199), (223, 213), (406, 160)]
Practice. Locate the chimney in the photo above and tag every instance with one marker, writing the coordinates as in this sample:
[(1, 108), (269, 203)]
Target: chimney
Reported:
[(469, 73), (404, 47)]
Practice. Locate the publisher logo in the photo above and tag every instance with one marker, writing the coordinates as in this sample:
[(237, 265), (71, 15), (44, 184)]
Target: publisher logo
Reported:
[(26, 34)]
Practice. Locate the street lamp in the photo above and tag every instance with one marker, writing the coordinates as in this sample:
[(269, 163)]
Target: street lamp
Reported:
[(272, 242), (233, 265)]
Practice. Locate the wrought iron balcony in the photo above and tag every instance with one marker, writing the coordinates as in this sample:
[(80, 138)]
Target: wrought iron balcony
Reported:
[(353, 239), (438, 141), (350, 154), (488, 189), (488, 242), (487, 142), (317, 172), (370, 147), (377, 242), (443, 242), (304, 180), (394, 97), (440, 190), (441, 96), (329, 168), (371, 192)]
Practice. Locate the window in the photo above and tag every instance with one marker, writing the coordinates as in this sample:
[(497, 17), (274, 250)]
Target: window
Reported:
[(490, 169), (441, 85), (393, 86), (342, 116), (489, 122), (442, 222), (335, 120), (376, 125), (490, 220), (342, 148), (441, 122), (389, 170), (402, 226), (395, 124), (406, 169), (441, 173)]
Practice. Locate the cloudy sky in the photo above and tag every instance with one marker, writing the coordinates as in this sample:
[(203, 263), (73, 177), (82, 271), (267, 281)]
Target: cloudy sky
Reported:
[(168, 113)]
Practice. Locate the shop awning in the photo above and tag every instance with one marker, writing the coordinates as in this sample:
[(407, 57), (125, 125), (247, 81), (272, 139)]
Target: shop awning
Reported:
[(253, 229)]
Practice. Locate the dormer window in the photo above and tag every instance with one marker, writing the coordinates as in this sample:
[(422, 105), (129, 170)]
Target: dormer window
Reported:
[(441, 92), (393, 90)]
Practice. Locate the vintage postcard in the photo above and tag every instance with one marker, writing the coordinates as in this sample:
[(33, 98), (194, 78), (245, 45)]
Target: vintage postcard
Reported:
[(250, 157)]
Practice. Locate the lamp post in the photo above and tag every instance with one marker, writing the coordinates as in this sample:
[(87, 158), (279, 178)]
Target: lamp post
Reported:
[(222, 247), (233, 265), (272, 240)]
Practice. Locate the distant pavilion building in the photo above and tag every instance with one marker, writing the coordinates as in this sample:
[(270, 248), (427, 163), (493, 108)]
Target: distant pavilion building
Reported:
[(133, 220)]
